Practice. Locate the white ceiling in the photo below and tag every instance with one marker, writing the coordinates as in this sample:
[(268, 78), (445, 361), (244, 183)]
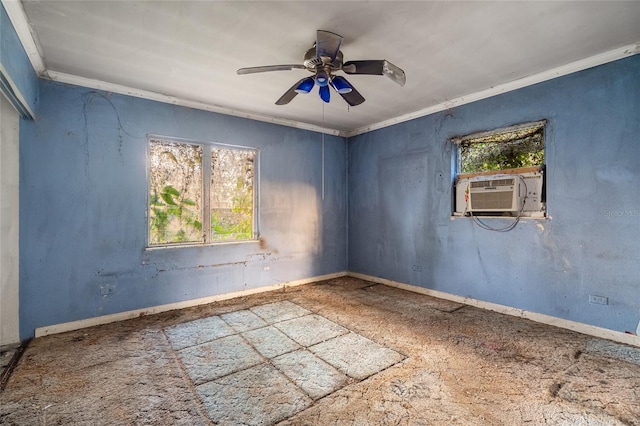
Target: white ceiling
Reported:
[(190, 50)]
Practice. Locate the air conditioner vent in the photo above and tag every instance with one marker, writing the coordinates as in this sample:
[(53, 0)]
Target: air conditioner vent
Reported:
[(480, 184), (489, 194), (494, 194), (493, 201), (491, 183)]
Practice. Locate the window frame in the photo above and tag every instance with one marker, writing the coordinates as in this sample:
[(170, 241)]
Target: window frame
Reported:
[(458, 141), (207, 148), (457, 163)]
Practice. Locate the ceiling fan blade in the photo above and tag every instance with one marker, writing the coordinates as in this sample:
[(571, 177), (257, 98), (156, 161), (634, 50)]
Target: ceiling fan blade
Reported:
[(266, 68), (290, 94), (353, 98), (327, 44), (376, 67)]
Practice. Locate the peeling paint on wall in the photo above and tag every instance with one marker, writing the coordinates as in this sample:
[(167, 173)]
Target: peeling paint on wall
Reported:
[(548, 266), (84, 201)]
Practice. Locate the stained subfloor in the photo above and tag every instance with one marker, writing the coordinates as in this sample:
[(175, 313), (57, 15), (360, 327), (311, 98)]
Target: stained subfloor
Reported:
[(338, 352)]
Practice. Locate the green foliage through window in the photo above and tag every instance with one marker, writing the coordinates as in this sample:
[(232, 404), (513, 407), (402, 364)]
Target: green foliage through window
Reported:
[(231, 194), (502, 150), (175, 193), (172, 217)]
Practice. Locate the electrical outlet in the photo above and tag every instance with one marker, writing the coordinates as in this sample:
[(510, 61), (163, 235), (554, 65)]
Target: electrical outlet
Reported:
[(417, 268), (598, 300), (107, 289)]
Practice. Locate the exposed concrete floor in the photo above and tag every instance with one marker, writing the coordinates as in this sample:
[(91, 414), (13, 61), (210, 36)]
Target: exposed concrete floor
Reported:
[(457, 365)]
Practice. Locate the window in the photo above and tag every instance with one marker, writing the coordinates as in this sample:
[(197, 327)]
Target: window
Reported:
[(501, 172), (521, 146), (200, 193)]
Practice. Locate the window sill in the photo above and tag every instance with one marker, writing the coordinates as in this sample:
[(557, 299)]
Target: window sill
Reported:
[(523, 216), (200, 245)]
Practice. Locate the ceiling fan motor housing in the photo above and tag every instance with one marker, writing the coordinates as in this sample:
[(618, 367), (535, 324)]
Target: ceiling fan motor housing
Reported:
[(314, 63)]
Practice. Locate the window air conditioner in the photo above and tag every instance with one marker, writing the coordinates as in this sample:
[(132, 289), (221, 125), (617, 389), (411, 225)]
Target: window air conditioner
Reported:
[(497, 193)]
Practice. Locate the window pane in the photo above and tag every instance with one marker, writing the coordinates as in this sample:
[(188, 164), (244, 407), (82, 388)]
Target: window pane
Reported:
[(508, 150), (232, 177), (175, 192)]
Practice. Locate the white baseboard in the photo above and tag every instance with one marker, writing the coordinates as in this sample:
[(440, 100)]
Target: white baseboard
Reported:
[(590, 330), (121, 316)]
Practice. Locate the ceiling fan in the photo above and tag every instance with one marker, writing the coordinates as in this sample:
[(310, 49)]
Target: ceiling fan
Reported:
[(324, 59)]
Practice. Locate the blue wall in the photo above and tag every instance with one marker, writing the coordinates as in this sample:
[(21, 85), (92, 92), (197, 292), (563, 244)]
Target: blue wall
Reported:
[(400, 204), (83, 195), (83, 202), (15, 62)]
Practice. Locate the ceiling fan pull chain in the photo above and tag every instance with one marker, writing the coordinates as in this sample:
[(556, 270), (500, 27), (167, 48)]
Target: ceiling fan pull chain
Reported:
[(323, 151)]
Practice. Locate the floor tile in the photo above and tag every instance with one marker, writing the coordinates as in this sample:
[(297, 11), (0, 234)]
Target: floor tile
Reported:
[(196, 332), (279, 311), (257, 396), (218, 358), (614, 350), (356, 356), (243, 320), (521, 372), (270, 341), (311, 329), (313, 375)]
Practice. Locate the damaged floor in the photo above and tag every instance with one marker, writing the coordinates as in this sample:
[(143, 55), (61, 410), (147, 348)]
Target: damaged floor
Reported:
[(339, 352)]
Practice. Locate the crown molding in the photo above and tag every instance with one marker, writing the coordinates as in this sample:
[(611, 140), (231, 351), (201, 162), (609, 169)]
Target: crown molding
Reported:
[(146, 94), (573, 67), (21, 25), (23, 29), (590, 62)]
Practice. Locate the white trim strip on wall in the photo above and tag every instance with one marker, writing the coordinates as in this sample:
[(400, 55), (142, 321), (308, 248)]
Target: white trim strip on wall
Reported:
[(14, 95), (146, 94), (583, 64), (9, 223), (19, 20), (603, 58), (589, 330), (20, 23), (578, 327), (122, 316)]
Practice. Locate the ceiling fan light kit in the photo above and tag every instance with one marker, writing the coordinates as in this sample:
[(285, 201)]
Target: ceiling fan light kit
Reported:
[(324, 60), (325, 93), (341, 85), (305, 85)]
